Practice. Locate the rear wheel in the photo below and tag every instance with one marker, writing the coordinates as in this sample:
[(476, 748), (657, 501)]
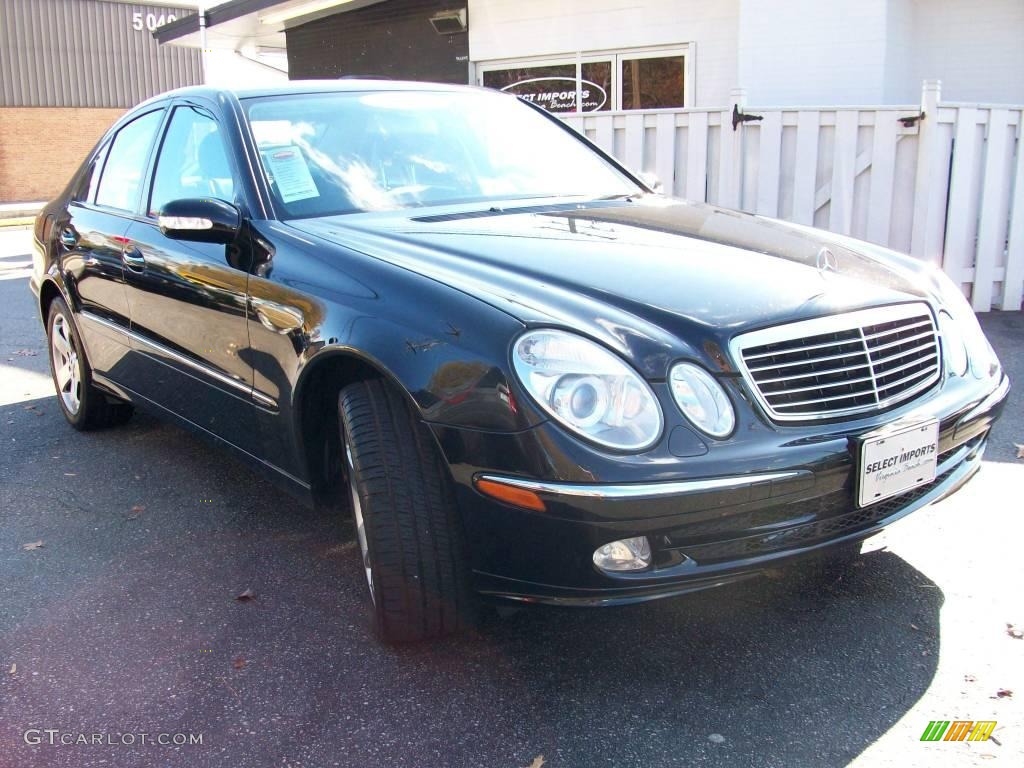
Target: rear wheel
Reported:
[(83, 405), (406, 523)]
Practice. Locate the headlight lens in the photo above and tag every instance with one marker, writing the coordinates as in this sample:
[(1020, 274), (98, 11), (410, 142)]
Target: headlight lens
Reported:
[(953, 347), (982, 358), (702, 399), (588, 389)]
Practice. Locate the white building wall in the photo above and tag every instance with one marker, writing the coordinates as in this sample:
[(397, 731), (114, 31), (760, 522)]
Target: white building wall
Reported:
[(506, 29), (783, 52), (803, 52), (975, 47), (225, 68), (902, 85)]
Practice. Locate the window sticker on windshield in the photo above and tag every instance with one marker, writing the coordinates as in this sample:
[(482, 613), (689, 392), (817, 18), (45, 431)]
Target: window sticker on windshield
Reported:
[(291, 174)]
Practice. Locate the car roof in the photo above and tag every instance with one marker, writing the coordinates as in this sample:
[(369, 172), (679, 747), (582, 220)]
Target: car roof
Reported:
[(322, 86)]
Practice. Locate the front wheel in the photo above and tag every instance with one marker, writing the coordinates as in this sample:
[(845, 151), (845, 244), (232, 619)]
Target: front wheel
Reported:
[(408, 530)]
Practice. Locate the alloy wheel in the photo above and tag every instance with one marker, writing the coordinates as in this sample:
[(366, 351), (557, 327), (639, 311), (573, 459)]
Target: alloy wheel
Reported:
[(357, 513), (66, 368)]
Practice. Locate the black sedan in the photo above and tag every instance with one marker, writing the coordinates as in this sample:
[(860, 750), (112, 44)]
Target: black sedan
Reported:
[(527, 375)]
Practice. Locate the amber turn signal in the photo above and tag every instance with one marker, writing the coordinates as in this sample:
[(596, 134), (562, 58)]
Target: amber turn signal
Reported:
[(518, 497)]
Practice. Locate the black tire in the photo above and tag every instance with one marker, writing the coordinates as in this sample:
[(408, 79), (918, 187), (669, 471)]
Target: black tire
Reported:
[(411, 537), (95, 409)]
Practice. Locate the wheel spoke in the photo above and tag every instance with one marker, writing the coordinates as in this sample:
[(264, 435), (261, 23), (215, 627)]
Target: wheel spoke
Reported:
[(60, 342), (65, 363), (64, 375), (357, 513)]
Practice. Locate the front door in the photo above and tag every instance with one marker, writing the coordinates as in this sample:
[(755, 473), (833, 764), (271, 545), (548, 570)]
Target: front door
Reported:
[(187, 301)]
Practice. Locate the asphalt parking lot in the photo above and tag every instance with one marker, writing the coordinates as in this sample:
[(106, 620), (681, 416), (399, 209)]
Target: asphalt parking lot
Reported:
[(123, 619)]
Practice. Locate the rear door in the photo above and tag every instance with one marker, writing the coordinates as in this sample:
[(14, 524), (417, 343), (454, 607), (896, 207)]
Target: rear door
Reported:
[(90, 241), (188, 300)]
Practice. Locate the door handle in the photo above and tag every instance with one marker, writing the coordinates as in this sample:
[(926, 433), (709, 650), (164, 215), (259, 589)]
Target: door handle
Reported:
[(68, 237), (134, 260)]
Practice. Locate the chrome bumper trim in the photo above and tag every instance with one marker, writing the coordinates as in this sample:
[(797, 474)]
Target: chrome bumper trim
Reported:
[(991, 400), (638, 491)]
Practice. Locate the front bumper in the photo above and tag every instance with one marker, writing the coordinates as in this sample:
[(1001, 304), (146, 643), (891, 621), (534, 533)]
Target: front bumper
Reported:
[(704, 531)]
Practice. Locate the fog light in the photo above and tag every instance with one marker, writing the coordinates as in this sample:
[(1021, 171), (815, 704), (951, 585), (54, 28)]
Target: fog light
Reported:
[(625, 555)]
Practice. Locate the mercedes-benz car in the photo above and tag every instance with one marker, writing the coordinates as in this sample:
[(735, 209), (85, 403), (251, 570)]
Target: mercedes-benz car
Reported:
[(527, 375)]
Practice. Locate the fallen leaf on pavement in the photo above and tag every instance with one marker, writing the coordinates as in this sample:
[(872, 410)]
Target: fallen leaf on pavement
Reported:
[(1014, 632), (538, 762), (1003, 693), (33, 546), (238, 663), (137, 510), (246, 596), (1020, 450)]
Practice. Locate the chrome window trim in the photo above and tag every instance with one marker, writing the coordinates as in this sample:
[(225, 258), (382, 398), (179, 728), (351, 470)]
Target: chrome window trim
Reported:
[(223, 378), (846, 321), (634, 492)]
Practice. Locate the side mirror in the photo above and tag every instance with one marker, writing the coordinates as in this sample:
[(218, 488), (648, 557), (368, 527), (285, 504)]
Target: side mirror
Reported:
[(652, 182), (200, 220)]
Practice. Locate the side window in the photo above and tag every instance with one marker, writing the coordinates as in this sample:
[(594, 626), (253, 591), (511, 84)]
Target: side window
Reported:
[(86, 191), (126, 162), (192, 162)]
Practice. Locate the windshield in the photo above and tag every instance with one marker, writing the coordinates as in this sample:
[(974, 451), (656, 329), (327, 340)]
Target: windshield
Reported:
[(330, 153)]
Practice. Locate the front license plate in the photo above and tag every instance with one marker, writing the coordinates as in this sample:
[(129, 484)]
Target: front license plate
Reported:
[(897, 459)]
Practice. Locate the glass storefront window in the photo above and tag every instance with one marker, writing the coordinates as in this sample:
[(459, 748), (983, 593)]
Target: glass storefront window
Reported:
[(554, 86), (649, 80), (653, 83)]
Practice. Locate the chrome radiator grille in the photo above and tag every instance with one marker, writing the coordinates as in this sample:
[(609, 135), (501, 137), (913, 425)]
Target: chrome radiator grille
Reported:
[(843, 364)]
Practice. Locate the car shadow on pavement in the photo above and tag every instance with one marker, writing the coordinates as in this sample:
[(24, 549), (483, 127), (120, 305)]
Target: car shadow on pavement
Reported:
[(129, 612), (790, 670)]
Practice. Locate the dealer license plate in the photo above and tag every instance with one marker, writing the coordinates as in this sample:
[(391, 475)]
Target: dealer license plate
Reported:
[(896, 459)]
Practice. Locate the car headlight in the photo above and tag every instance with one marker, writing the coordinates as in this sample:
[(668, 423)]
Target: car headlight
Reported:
[(702, 399), (981, 357), (954, 349), (588, 389)]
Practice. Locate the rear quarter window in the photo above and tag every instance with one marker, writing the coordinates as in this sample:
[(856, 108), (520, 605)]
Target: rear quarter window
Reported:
[(125, 168), (85, 192)]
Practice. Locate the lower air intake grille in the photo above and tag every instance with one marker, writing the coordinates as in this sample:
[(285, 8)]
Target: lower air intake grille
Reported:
[(841, 365)]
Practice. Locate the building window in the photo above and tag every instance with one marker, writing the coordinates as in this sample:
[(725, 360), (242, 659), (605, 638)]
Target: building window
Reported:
[(654, 82), (650, 79), (554, 86)]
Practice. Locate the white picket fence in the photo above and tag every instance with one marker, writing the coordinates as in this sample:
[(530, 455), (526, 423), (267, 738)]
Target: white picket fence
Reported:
[(947, 187)]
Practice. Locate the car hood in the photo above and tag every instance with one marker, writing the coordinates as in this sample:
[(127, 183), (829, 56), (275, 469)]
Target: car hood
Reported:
[(653, 277)]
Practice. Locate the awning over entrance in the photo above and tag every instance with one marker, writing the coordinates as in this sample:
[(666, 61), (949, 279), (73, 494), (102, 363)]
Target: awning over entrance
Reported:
[(243, 23)]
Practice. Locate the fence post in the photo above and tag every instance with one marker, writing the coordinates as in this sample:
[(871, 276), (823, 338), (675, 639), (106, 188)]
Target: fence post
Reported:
[(932, 175), (730, 169)]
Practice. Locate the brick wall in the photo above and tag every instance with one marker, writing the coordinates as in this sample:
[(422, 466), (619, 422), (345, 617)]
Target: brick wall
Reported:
[(41, 147)]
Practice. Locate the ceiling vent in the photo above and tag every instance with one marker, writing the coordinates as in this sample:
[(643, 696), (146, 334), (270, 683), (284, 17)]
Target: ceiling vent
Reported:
[(449, 22)]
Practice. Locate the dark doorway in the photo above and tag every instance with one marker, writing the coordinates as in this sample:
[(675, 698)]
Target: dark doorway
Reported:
[(393, 39)]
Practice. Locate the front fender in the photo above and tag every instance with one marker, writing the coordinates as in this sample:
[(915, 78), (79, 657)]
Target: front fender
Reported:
[(452, 364)]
